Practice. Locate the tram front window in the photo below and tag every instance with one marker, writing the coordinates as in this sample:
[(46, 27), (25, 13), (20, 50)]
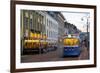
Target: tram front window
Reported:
[(71, 41)]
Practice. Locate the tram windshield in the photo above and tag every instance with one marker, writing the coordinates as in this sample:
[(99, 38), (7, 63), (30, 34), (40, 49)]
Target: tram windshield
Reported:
[(71, 41)]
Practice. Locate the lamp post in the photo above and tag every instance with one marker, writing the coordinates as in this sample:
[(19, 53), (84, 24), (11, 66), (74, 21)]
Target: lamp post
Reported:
[(86, 19)]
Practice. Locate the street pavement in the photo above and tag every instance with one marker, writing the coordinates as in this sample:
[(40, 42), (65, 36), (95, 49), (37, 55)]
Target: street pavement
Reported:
[(40, 57), (54, 56)]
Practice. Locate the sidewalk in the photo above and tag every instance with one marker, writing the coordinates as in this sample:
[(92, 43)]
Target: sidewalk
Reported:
[(84, 54)]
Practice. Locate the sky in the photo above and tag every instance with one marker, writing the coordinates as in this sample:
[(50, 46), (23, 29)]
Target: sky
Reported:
[(76, 19)]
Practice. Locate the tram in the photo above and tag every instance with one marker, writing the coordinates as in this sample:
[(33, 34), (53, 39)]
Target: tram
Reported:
[(71, 45)]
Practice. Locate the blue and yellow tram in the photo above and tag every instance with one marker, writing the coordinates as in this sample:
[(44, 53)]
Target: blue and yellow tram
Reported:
[(71, 46)]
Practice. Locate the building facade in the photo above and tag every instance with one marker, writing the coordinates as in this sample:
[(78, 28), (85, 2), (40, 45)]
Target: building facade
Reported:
[(51, 29), (33, 21), (71, 29), (42, 23)]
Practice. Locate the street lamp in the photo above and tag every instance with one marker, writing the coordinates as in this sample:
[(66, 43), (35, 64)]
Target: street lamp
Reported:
[(86, 19)]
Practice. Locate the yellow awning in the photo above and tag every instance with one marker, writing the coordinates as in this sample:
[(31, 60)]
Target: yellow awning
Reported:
[(30, 41)]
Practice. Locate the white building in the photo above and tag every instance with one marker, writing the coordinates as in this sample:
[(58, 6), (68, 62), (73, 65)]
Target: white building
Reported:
[(51, 29)]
